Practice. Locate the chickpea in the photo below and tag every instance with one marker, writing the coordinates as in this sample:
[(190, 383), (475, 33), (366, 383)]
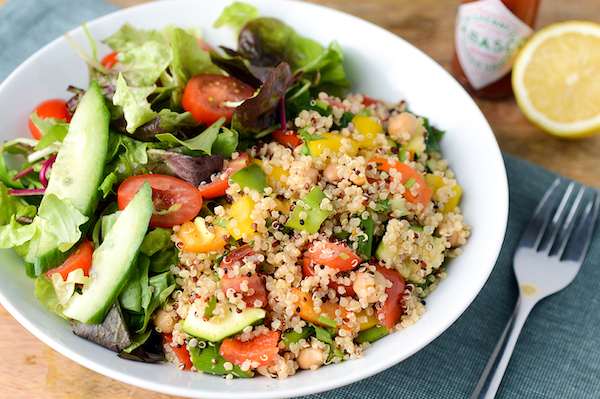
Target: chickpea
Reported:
[(330, 173), (311, 174), (359, 180), (310, 358), (369, 286), (263, 370), (403, 127), (164, 321), (446, 228)]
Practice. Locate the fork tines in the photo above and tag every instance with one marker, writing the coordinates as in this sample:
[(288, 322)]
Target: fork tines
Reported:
[(551, 227)]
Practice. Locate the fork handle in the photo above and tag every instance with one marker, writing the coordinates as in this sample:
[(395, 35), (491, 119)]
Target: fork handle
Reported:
[(494, 370)]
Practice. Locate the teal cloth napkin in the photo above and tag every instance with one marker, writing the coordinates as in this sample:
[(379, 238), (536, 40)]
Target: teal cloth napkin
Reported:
[(558, 352)]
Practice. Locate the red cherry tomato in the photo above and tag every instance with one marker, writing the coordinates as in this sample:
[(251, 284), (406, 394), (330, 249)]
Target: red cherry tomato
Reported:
[(175, 200), (110, 60), (369, 101), (333, 255), (218, 187), (288, 138), (55, 108), (256, 289), (424, 192), (260, 349), (80, 259), (205, 94), (391, 310), (181, 352), (308, 269)]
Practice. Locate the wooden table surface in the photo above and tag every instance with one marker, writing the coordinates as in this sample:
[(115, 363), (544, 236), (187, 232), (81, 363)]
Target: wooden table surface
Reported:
[(32, 369)]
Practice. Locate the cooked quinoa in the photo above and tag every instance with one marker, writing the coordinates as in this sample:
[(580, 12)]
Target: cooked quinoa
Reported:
[(413, 239)]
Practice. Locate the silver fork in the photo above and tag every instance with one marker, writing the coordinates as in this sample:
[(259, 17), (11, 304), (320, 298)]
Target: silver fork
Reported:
[(543, 265)]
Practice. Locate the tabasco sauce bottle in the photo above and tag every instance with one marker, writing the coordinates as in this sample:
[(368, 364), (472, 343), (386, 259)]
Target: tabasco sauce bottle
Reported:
[(488, 36)]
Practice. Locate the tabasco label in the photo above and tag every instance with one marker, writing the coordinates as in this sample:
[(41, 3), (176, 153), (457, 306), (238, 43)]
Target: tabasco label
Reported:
[(487, 38)]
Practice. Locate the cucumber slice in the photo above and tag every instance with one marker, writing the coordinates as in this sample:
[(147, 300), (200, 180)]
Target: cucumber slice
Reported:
[(76, 175), (416, 143), (383, 253), (231, 324), (112, 261), (79, 166)]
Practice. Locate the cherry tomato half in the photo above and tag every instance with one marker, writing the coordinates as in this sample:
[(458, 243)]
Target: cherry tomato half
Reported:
[(259, 349), (205, 94), (390, 312), (289, 138), (80, 259), (181, 352), (308, 269), (110, 60), (256, 289), (336, 256), (217, 187), (55, 108), (175, 200)]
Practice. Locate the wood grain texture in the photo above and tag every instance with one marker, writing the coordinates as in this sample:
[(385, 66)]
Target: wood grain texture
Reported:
[(31, 369)]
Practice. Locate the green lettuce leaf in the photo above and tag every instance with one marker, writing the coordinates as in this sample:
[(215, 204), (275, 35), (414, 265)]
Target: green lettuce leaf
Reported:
[(12, 233), (44, 291), (143, 65), (226, 142), (202, 142), (51, 130), (127, 38), (130, 297), (171, 120), (236, 15), (61, 219), (157, 240), (134, 101), (188, 58)]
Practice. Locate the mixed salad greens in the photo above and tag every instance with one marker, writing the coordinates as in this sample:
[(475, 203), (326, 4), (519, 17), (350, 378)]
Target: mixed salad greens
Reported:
[(68, 206)]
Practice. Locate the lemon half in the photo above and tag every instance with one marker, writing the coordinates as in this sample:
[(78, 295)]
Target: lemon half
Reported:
[(556, 79)]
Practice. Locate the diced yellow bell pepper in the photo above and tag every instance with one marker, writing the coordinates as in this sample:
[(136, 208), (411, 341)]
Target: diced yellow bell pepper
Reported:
[(276, 175), (195, 236), (453, 202), (240, 221), (283, 206), (435, 182), (366, 321), (368, 126), (333, 141)]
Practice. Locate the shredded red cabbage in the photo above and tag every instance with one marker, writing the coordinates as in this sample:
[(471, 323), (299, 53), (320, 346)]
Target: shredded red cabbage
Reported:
[(23, 173), (44, 171), (26, 192)]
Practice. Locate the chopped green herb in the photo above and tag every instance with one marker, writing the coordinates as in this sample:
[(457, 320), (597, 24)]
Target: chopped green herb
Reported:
[(220, 222), (210, 307), (365, 244), (383, 206), (327, 321), (344, 256), (402, 154), (306, 137), (410, 182), (372, 334)]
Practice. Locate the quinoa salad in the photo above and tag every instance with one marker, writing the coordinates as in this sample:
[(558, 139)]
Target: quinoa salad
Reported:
[(235, 212)]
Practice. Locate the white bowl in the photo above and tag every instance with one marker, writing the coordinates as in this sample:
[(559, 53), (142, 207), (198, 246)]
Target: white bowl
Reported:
[(377, 63)]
